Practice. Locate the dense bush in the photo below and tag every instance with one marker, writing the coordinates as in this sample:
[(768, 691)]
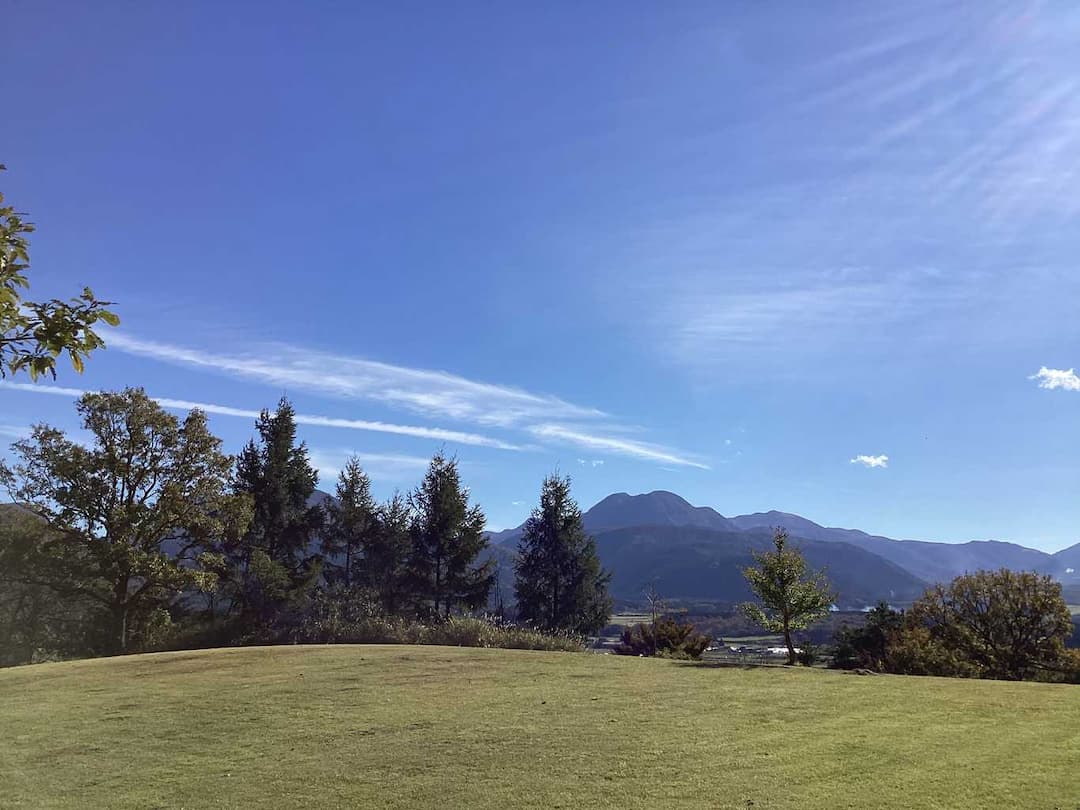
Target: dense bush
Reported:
[(990, 624), (808, 654), (868, 646), (914, 650), (665, 637)]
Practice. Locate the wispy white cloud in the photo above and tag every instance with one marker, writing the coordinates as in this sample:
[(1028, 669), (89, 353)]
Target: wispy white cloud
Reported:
[(424, 391), (872, 462), (378, 466), (1052, 378), (702, 320), (614, 444), (596, 462), (418, 390), (553, 432), (416, 431), (14, 431)]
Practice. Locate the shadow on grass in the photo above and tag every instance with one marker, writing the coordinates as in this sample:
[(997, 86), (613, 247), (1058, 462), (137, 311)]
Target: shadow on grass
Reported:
[(720, 663)]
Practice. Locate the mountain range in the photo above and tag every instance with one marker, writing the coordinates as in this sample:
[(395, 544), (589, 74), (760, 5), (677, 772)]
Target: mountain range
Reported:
[(695, 553)]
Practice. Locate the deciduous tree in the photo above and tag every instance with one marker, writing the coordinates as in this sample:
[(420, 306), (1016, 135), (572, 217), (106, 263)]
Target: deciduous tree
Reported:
[(791, 597), (1007, 624), (33, 334), (131, 512)]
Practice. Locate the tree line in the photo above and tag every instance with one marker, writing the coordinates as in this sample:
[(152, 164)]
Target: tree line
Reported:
[(148, 534)]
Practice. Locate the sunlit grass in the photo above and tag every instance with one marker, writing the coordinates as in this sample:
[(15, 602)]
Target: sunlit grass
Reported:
[(419, 727)]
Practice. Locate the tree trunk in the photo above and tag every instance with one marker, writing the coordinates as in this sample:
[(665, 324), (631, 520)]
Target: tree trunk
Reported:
[(790, 646), (438, 584), (120, 615), (120, 620), (554, 618)]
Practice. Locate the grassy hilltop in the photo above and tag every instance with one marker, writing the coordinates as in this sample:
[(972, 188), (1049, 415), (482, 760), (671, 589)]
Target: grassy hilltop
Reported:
[(412, 727)]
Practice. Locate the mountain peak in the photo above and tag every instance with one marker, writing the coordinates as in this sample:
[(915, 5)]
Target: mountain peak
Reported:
[(657, 508)]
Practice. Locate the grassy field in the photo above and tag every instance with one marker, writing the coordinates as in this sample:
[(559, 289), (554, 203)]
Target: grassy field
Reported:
[(420, 727)]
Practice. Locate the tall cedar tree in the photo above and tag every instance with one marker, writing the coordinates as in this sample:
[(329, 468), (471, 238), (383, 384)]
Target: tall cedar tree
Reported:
[(352, 526), (791, 598), (275, 558), (559, 584), (130, 512), (386, 555), (447, 537)]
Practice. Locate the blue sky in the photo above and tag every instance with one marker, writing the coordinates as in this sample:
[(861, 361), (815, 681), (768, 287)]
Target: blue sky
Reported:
[(722, 249)]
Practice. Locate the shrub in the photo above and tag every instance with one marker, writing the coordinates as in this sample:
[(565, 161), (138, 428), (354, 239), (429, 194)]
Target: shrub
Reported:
[(868, 646), (808, 654), (468, 631), (664, 637), (342, 616), (914, 650)]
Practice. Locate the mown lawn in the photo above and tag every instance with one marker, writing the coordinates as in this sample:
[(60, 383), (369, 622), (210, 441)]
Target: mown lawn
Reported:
[(435, 727)]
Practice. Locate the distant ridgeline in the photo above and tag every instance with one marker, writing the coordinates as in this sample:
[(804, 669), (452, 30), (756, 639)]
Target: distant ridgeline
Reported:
[(692, 553)]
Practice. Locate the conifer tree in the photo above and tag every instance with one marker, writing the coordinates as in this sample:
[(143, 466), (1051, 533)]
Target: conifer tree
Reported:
[(278, 477), (352, 526), (386, 554), (447, 537), (559, 583)]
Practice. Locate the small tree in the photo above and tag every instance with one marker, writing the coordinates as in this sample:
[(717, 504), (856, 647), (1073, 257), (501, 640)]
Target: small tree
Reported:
[(353, 523), (447, 537), (1006, 624), (32, 334), (656, 602), (129, 514), (559, 583), (791, 597)]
